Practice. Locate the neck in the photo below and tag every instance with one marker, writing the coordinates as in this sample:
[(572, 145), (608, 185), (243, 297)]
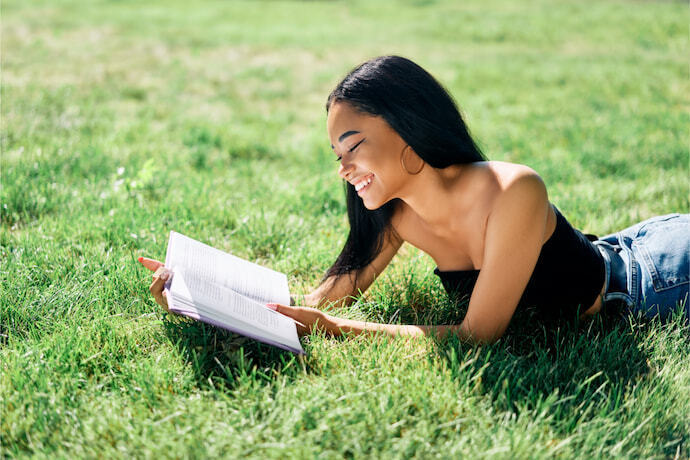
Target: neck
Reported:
[(431, 194)]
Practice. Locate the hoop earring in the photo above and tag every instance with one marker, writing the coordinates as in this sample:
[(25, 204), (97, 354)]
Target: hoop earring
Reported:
[(402, 162)]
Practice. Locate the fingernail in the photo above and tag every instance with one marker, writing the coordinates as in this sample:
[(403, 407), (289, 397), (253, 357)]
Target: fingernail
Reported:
[(164, 276), (272, 306), (140, 259)]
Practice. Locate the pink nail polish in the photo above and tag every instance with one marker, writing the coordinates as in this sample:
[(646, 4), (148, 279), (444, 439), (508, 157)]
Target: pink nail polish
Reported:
[(272, 306)]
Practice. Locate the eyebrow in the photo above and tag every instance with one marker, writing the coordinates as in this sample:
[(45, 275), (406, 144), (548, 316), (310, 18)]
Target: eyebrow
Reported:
[(345, 135)]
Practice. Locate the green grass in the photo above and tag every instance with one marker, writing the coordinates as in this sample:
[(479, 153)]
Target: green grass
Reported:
[(124, 120)]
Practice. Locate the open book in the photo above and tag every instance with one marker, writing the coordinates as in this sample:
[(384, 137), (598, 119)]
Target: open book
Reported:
[(218, 288)]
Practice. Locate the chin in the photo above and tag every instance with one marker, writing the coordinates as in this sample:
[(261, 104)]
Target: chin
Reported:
[(372, 205)]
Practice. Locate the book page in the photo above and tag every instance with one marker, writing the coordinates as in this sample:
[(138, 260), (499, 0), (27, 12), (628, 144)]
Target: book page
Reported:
[(231, 310), (217, 267)]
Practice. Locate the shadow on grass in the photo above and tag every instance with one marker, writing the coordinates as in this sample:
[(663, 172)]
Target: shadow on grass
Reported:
[(579, 367), (223, 360), (587, 364)]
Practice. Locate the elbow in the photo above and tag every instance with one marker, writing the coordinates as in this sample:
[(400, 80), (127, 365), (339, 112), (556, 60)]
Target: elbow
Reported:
[(485, 339), (339, 303), (318, 300), (310, 300), (482, 335), (488, 340)]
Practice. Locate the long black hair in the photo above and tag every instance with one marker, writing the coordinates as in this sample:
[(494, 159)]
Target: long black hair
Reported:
[(425, 116)]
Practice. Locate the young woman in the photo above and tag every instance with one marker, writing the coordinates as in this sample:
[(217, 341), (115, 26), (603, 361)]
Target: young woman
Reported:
[(414, 174)]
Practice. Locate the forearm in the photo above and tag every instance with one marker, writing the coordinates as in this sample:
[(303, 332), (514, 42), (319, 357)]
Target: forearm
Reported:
[(342, 326)]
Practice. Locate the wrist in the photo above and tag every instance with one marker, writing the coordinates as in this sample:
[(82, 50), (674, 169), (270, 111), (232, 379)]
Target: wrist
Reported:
[(332, 325)]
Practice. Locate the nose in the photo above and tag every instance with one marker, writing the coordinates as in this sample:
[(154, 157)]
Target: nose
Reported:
[(344, 169)]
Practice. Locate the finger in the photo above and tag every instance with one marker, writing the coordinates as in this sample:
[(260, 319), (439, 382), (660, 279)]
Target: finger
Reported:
[(273, 306), (164, 300), (156, 289), (290, 312), (284, 309), (293, 314), (160, 271), (151, 264)]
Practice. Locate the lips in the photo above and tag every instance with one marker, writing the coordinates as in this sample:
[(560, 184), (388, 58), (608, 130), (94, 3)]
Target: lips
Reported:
[(362, 183)]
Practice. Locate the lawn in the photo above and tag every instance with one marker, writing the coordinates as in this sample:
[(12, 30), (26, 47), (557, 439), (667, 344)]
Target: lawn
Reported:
[(123, 120)]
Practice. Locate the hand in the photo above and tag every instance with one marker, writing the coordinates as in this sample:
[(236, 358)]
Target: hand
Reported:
[(160, 276), (311, 319)]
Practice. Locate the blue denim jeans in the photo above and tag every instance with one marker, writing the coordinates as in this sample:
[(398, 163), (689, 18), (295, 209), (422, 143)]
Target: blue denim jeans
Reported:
[(648, 266)]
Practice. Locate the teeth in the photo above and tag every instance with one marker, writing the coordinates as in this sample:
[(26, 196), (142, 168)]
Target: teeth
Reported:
[(360, 185)]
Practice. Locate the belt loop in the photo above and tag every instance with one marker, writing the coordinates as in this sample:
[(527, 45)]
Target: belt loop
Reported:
[(607, 266), (616, 287)]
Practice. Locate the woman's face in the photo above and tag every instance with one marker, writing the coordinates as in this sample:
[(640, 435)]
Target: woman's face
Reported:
[(369, 151)]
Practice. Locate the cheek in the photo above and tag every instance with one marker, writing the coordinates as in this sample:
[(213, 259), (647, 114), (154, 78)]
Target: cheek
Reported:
[(394, 176), (387, 168)]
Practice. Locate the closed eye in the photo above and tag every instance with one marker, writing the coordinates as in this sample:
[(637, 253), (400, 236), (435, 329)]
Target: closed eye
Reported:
[(351, 150), (355, 146)]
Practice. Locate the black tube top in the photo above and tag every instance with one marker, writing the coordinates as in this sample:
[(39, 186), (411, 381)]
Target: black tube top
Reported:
[(566, 280)]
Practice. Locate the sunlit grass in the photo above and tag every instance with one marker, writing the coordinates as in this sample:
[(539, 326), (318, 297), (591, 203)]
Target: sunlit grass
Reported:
[(124, 120)]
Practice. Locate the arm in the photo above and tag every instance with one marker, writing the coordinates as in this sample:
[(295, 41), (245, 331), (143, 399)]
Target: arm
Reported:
[(340, 291), (514, 235)]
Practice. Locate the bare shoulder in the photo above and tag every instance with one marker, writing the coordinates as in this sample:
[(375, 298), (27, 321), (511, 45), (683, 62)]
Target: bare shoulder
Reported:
[(522, 194), (517, 186), (511, 175)]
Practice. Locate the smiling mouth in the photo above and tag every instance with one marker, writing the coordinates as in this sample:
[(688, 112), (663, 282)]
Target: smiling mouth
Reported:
[(364, 183)]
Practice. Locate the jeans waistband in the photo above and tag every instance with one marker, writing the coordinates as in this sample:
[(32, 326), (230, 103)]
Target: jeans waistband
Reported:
[(616, 275), (616, 292)]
